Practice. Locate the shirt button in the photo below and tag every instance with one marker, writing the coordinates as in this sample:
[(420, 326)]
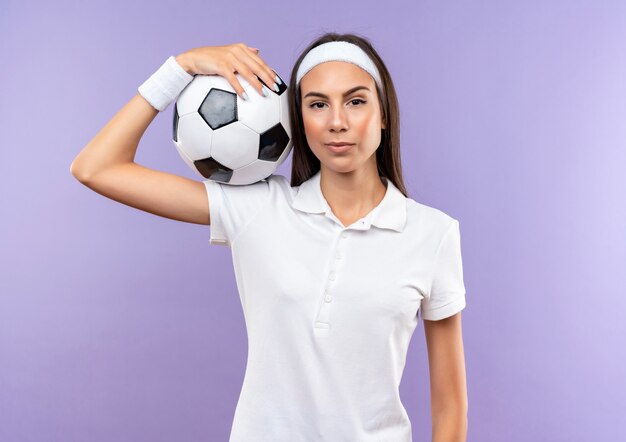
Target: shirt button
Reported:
[(344, 235), (331, 276), (338, 256), (328, 298)]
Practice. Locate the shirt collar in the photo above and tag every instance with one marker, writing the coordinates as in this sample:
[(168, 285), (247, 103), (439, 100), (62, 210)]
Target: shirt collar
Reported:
[(390, 212)]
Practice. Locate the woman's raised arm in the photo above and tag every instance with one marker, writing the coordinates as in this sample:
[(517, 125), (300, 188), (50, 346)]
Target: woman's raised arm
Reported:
[(107, 164)]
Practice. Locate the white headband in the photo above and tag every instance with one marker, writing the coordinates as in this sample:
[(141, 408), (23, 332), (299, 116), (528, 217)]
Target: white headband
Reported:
[(338, 51)]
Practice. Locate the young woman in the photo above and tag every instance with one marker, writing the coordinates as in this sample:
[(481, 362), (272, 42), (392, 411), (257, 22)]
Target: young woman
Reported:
[(333, 267)]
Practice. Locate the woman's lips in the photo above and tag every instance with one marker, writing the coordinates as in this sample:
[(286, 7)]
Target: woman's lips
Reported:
[(339, 148)]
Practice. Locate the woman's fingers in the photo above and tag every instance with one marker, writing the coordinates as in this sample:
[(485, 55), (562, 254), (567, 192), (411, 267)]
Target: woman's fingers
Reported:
[(235, 58), (267, 74), (232, 79), (263, 72), (250, 77)]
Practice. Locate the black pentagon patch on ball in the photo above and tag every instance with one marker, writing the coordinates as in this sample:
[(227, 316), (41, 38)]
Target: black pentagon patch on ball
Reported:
[(175, 130), (281, 87), (219, 108), (210, 168), (272, 143)]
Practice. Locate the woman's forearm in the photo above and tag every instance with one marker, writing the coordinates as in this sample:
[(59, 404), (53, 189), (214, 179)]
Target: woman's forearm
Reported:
[(450, 426)]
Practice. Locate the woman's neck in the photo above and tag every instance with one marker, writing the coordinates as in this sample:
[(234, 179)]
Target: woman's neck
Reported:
[(354, 194)]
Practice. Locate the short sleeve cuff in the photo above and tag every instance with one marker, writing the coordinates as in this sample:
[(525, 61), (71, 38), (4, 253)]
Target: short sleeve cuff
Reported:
[(446, 310), (216, 203)]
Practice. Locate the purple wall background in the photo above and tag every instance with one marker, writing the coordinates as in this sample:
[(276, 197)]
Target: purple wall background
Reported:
[(116, 324)]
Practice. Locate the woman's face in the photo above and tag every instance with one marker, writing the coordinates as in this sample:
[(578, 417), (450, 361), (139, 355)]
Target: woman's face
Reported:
[(330, 116)]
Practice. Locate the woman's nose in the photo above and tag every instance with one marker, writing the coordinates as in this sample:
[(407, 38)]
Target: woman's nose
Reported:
[(338, 118)]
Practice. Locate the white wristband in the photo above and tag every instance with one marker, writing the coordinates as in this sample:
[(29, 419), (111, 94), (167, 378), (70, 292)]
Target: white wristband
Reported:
[(165, 84)]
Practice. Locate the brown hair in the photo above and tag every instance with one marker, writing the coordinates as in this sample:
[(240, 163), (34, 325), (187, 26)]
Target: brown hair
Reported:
[(304, 163)]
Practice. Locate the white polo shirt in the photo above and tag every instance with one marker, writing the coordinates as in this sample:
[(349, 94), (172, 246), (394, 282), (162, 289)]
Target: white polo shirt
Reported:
[(330, 309)]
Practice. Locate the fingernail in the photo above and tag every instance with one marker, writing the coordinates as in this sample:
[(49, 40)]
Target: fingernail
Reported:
[(245, 96), (266, 91), (278, 80), (276, 88)]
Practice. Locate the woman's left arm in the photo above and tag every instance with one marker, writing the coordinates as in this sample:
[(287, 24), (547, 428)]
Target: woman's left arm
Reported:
[(448, 389)]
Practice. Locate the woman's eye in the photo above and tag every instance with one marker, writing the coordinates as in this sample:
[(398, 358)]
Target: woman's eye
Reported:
[(314, 105)]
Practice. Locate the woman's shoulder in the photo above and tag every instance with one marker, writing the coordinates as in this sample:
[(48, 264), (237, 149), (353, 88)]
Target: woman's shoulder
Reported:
[(428, 217), (281, 185), (278, 179), (279, 182)]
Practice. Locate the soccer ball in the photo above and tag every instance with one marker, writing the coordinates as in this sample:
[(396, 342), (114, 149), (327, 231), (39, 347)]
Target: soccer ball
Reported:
[(227, 139)]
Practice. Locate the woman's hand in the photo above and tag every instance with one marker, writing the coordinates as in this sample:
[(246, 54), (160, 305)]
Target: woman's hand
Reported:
[(226, 60)]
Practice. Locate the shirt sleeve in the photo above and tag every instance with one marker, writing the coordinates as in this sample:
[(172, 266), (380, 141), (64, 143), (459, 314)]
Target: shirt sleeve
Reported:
[(447, 292), (232, 207)]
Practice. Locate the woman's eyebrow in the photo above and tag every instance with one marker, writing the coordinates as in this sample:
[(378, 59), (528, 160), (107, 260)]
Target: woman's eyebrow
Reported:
[(348, 92)]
